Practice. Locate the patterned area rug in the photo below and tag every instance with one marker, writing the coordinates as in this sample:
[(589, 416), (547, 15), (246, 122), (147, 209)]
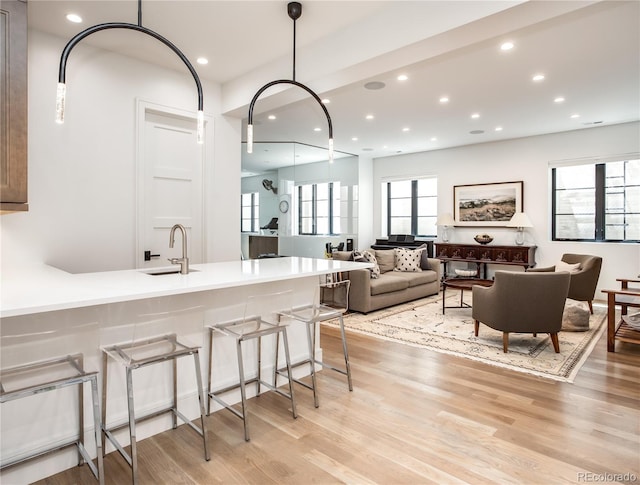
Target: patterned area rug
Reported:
[(421, 324)]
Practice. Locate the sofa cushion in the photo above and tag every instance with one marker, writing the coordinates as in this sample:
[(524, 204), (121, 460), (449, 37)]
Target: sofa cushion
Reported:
[(342, 255), (424, 257), (386, 259), (408, 260), (388, 283), (375, 271), (417, 279)]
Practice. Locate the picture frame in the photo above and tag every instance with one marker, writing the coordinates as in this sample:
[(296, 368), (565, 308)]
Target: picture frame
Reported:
[(486, 205)]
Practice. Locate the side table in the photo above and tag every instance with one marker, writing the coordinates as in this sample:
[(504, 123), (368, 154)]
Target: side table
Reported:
[(461, 284), (625, 297)]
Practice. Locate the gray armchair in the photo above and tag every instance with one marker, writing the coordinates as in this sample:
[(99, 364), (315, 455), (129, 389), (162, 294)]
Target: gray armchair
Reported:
[(584, 281), (522, 302)]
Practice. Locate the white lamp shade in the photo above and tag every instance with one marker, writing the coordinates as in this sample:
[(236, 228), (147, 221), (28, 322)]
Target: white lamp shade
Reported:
[(445, 219), (519, 219)]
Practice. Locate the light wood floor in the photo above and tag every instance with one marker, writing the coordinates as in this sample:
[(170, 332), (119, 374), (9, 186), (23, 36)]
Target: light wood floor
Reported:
[(415, 417)]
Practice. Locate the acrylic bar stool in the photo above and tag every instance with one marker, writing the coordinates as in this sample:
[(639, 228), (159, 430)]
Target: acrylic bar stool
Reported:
[(251, 328), (135, 355), (61, 372), (330, 302)]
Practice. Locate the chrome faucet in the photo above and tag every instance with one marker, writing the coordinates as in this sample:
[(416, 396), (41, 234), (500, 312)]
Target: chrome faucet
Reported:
[(184, 261)]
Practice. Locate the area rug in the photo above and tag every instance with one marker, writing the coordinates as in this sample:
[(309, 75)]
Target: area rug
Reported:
[(421, 323)]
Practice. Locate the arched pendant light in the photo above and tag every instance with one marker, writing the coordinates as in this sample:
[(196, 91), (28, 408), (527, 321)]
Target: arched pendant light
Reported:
[(62, 88), (294, 9)]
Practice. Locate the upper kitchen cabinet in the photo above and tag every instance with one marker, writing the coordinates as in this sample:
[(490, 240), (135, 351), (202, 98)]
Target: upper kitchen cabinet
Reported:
[(13, 105)]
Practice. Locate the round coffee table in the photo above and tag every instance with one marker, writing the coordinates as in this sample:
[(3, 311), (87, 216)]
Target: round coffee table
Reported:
[(461, 284)]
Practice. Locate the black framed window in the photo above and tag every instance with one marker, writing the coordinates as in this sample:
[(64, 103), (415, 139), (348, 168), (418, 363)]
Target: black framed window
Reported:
[(596, 202), (411, 206), (318, 208), (250, 212)]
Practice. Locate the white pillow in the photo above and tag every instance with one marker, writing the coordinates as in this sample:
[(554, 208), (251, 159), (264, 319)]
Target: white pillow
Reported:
[(408, 260), (571, 268)]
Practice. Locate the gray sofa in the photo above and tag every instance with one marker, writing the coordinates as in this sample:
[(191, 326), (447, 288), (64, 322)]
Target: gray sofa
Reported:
[(391, 287)]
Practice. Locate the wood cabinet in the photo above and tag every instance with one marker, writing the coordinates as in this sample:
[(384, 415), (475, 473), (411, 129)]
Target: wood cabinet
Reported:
[(13, 106), (483, 255)]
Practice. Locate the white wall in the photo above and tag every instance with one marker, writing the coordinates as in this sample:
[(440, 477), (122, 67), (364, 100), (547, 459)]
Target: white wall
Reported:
[(525, 159), (82, 203)]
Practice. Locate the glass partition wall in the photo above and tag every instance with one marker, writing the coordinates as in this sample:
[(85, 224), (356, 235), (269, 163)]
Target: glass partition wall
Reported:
[(294, 202)]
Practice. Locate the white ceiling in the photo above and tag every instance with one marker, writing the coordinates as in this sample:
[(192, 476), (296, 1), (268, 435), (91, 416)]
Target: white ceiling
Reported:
[(588, 51)]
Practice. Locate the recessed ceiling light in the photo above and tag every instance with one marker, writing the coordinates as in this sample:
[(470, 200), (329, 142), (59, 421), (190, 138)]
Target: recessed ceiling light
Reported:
[(538, 77), (355, 138), (374, 85), (272, 117), (202, 60), (405, 129), (326, 101), (402, 77), (506, 46), (475, 116), (369, 117), (498, 128), (444, 99), (559, 99), (434, 138), (574, 116), (317, 129), (75, 18), (477, 132)]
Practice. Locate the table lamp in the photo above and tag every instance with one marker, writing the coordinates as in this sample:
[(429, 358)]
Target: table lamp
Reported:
[(520, 221), (445, 220)]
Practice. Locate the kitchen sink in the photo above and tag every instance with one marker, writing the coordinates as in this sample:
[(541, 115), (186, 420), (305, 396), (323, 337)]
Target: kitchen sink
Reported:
[(161, 272)]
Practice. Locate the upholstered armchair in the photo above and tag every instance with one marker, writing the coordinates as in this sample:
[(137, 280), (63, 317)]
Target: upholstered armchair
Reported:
[(584, 278), (522, 302)]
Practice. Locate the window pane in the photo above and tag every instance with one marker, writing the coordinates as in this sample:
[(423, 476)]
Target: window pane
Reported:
[(306, 209), (400, 225), (323, 225), (322, 191), (575, 227), (400, 189), (576, 201), (307, 192), (427, 226), (427, 206), (580, 176), (246, 225), (306, 225), (633, 227), (322, 208), (400, 207), (246, 212)]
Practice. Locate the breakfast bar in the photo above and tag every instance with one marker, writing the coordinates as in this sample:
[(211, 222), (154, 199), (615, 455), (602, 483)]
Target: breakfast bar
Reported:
[(47, 312)]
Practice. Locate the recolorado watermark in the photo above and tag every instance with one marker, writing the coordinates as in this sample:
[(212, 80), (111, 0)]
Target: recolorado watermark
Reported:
[(606, 477)]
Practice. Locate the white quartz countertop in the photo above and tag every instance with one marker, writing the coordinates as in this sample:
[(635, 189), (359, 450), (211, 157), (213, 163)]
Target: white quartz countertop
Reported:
[(42, 288)]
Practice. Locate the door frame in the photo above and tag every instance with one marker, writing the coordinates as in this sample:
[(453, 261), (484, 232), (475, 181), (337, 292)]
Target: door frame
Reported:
[(142, 106)]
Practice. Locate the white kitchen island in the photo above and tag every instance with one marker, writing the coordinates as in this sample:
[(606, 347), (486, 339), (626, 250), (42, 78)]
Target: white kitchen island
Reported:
[(46, 312)]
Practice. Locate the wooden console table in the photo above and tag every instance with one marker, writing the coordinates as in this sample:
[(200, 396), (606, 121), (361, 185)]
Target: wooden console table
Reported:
[(482, 255), (625, 297)]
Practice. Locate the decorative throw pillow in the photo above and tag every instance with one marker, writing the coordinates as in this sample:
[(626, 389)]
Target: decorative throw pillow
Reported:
[(571, 268), (424, 258), (358, 257), (370, 257), (386, 259), (408, 260)]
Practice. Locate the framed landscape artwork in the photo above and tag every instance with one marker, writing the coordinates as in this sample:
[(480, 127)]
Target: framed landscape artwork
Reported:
[(486, 204)]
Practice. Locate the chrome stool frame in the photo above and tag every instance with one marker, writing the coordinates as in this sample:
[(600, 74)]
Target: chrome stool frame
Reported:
[(262, 329), (119, 352), (311, 315), (75, 363)]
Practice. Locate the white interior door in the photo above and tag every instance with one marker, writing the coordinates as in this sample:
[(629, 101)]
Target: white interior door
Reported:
[(170, 186)]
